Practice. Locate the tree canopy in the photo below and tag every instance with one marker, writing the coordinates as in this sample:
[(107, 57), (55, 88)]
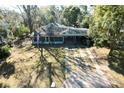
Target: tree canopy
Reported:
[(106, 24), (71, 15)]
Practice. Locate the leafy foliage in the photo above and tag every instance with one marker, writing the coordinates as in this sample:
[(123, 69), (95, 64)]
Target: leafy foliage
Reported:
[(84, 17), (106, 24), (29, 15), (71, 15), (21, 31), (4, 52), (76, 16), (85, 21)]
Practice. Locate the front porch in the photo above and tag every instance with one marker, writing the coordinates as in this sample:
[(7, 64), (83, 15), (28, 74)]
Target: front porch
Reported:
[(48, 40), (61, 41)]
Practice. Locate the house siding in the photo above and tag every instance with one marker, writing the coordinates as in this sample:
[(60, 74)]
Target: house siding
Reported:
[(48, 40)]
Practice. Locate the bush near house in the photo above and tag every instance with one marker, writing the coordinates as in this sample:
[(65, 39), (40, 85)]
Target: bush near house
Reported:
[(21, 31), (4, 52)]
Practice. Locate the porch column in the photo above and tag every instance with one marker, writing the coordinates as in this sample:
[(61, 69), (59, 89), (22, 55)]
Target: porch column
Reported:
[(88, 42), (45, 39), (75, 39), (38, 39), (49, 39), (63, 39)]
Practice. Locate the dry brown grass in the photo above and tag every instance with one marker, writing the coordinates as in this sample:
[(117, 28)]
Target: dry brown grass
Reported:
[(57, 61), (26, 60), (116, 79)]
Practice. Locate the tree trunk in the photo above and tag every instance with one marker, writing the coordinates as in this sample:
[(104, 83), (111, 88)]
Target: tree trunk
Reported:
[(41, 57), (27, 10), (110, 52), (30, 24)]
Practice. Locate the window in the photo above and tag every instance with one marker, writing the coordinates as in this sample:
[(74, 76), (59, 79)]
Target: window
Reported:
[(42, 39), (52, 39), (59, 38)]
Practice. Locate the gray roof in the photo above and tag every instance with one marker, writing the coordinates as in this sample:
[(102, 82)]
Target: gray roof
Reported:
[(54, 29)]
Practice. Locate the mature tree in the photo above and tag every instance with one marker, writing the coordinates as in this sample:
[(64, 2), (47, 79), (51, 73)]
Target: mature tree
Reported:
[(84, 17), (106, 24), (4, 50), (51, 14), (70, 15), (8, 21), (29, 14), (83, 9)]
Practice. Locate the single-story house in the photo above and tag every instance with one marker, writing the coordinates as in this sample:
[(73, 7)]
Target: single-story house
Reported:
[(54, 33)]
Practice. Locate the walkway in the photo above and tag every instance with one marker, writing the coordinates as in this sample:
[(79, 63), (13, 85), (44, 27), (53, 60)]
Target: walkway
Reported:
[(84, 76)]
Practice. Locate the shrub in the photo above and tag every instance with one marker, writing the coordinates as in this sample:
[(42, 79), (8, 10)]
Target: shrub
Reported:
[(24, 30), (116, 61), (21, 31), (4, 52)]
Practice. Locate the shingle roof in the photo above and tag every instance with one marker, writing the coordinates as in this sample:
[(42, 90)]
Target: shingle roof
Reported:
[(54, 29)]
